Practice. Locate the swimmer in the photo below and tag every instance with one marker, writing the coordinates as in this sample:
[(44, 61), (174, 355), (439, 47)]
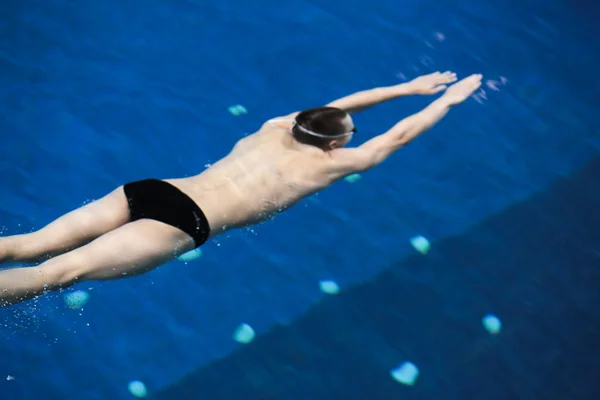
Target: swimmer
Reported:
[(144, 224)]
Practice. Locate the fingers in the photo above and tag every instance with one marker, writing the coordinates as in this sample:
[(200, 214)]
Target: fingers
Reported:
[(441, 78), (471, 80), (450, 76), (470, 84), (475, 80)]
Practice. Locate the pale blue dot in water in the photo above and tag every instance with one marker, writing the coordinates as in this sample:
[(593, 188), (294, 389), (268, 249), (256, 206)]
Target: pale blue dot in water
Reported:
[(352, 178), (244, 334), (76, 299), (407, 373), (190, 255), (492, 323), (329, 287), (137, 388), (237, 110), (421, 244)]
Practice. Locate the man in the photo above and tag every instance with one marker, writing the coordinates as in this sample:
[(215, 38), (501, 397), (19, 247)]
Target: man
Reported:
[(145, 224)]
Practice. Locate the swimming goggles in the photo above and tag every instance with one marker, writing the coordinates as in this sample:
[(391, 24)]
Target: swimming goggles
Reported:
[(320, 135)]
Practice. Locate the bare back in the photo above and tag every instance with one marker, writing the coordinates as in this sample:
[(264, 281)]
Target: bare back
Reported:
[(264, 174)]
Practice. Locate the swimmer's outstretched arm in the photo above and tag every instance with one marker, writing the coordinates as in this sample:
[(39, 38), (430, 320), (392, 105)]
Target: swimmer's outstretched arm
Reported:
[(375, 151), (426, 84)]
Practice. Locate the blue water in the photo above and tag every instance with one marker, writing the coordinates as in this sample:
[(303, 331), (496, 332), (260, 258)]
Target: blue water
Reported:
[(94, 94), (545, 290)]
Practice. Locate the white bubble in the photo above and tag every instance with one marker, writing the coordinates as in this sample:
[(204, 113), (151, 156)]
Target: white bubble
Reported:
[(76, 299), (407, 373), (190, 255), (421, 244), (137, 388), (244, 334), (492, 323), (329, 287)]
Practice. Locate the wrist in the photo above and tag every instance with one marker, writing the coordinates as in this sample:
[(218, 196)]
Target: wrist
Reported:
[(403, 89), (443, 102), (407, 89)]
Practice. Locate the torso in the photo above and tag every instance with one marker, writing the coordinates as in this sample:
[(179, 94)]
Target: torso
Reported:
[(264, 174)]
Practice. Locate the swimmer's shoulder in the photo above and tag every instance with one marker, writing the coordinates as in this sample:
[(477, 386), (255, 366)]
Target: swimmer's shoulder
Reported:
[(283, 122), (269, 129)]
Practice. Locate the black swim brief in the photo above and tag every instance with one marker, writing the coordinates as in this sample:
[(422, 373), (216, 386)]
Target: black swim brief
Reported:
[(161, 201)]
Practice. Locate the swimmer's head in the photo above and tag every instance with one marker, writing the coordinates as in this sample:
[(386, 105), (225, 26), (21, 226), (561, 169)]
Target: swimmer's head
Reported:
[(327, 128)]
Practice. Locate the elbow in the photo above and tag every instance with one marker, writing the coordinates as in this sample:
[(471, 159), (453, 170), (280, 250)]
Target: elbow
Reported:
[(365, 162), (374, 159), (381, 155)]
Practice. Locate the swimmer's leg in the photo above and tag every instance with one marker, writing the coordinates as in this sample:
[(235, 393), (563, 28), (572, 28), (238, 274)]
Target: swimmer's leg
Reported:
[(69, 231), (130, 250)]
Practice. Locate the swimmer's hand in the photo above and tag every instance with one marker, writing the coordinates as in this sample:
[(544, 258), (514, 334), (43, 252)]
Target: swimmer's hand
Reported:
[(432, 83), (376, 150), (426, 84), (462, 89)]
